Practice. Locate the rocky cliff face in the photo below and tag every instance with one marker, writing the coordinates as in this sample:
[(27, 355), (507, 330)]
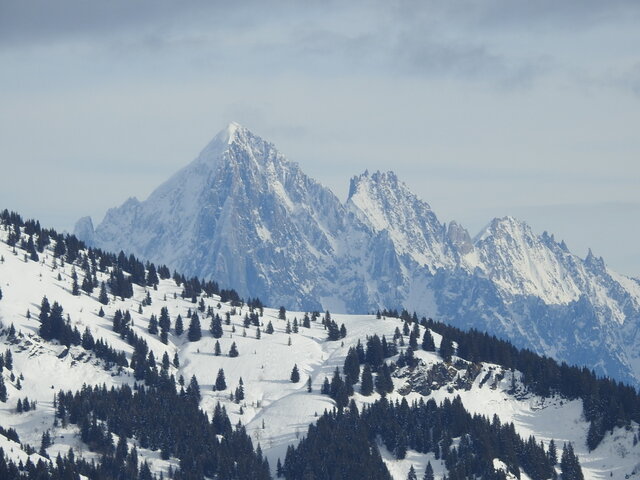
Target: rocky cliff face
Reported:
[(243, 214)]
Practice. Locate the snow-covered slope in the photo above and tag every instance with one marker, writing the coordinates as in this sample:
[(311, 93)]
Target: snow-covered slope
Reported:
[(275, 411), (245, 216)]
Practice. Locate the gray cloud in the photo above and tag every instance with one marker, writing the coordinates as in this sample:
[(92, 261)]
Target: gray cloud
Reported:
[(499, 102)]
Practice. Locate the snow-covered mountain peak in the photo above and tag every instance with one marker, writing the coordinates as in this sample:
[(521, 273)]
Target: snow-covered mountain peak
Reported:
[(233, 138), (385, 204), (522, 263), (382, 201), (230, 132), (380, 183), (501, 227), (595, 264)]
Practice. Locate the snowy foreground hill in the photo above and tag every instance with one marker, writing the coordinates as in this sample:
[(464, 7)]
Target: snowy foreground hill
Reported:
[(274, 410), (243, 214)]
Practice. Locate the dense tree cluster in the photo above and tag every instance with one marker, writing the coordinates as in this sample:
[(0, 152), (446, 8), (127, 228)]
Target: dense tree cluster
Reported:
[(343, 440), (161, 418), (606, 402), (53, 326)]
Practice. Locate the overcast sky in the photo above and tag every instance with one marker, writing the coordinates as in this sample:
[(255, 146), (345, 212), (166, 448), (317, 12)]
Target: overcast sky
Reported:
[(484, 108)]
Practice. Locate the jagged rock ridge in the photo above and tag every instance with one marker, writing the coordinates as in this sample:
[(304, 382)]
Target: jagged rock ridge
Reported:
[(243, 214)]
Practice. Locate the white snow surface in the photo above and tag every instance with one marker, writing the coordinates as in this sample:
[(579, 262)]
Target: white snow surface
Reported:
[(275, 411)]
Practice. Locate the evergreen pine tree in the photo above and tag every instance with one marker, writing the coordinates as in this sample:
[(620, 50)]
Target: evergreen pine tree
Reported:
[(343, 331), (295, 375), (400, 450), (152, 276), (153, 325), (427, 341), (216, 349), (351, 367), (179, 326), (428, 472), (193, 390), (446, 349), (103, 298), (336, 383), (552, 453), (45, 321), (165, 361), (216, 326), (239, 394), (8, 359), (309, 389), (282, 313), (366, 387), (87, 284), (75, 288), (384, 384), (412, 474), (269, 328), (333, 331), (3, 390), (164, 321), (195, 333), (221, 384), (233, 351), (570, 465), (87, 340), (326, 387)]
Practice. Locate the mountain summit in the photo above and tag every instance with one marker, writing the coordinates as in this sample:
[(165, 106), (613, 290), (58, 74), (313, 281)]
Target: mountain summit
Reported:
[(243, 214)]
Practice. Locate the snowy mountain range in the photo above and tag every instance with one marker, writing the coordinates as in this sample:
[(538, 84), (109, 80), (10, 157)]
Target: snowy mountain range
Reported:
[(244, 215), (274, 411)]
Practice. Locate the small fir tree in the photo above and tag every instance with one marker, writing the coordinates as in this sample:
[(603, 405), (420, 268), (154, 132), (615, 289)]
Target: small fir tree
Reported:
[(179, 326), (295, 374), (428, 472), (412, 474), (3, 390), (366, 387), (446, 349), (103, 298), (220, 384), (75, 288), (428, 344), (195, 332)]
